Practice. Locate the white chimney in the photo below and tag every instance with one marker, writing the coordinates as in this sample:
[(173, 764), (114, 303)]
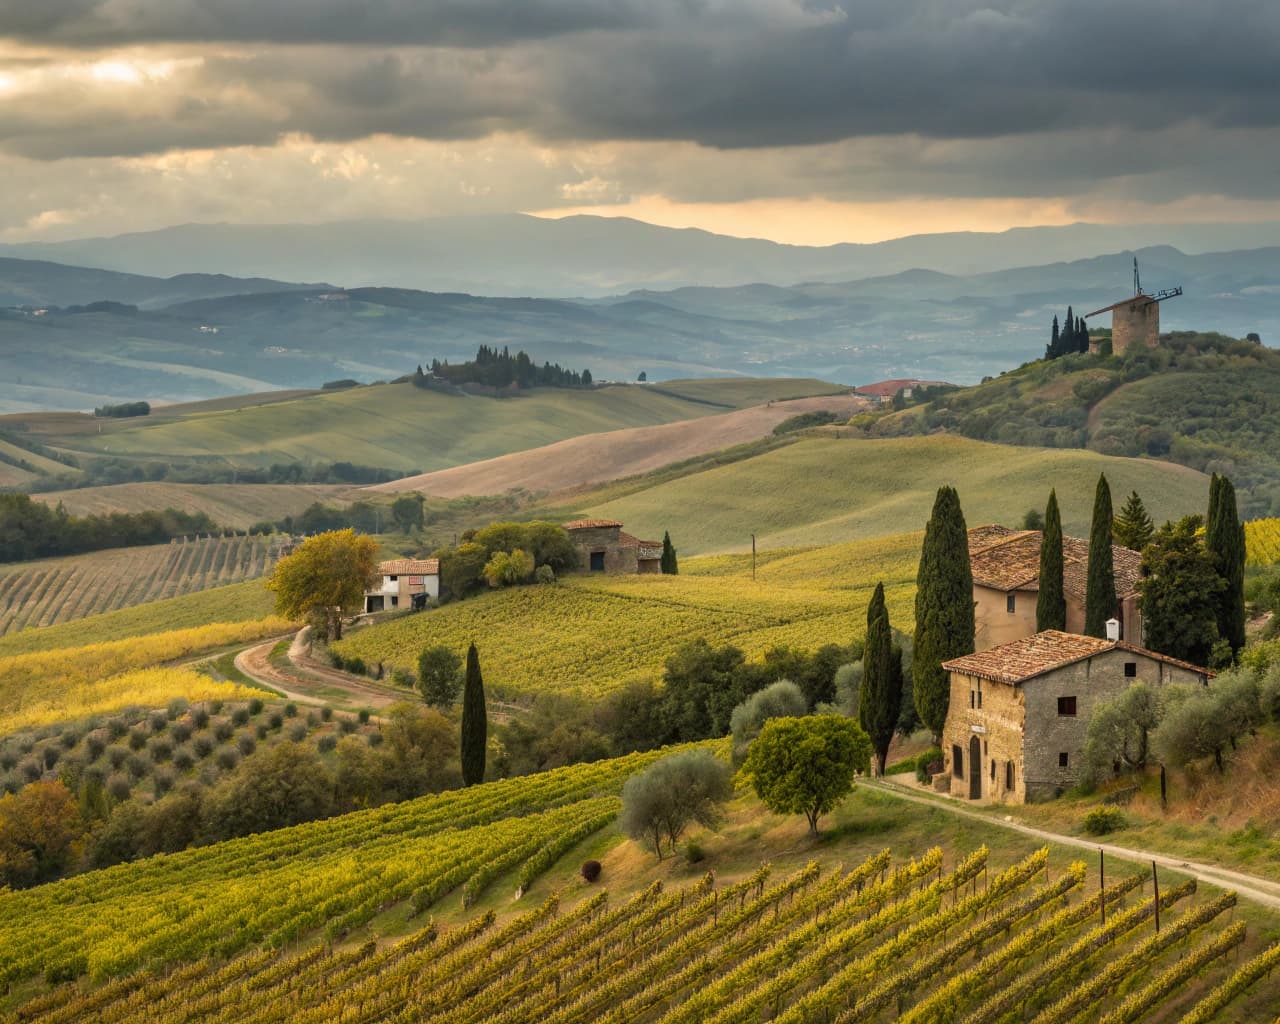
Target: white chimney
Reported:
[(1113, 629)]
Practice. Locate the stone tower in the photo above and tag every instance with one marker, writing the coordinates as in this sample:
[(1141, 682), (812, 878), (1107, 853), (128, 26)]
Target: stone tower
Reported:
[(1135, 322)]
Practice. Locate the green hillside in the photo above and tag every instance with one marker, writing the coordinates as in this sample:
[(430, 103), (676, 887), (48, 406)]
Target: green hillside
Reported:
[(826, 490), (589, 635), (393, 425), (1200, 400)]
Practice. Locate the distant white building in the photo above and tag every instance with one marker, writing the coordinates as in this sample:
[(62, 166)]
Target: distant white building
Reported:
[(404, 583)]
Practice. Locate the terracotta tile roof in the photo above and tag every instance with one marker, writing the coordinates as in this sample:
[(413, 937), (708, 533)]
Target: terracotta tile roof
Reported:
[(592, 524), (1033, 656), (628, 541), (410, 567), (1005, 559)]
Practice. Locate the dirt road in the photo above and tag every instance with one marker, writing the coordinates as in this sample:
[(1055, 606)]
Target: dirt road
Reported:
[(310, 682)]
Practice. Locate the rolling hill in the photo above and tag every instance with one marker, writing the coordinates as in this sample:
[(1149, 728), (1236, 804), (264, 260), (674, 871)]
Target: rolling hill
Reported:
[(823, 490), (396, 426)]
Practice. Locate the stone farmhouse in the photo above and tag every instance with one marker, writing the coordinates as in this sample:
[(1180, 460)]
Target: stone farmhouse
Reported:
[(604, 547), (1016, 725), (404, 583), (1006, 579)]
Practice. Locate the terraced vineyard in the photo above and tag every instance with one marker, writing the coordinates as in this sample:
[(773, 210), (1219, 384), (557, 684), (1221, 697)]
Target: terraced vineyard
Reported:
[(34, 594), (593, 634), (274, 887), (1262, 541), (919, 942)]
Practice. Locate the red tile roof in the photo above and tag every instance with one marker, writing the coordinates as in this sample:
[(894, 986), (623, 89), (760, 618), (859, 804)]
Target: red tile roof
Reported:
[(410, 567), (1005, 559), (1032, 656), (592, 524)]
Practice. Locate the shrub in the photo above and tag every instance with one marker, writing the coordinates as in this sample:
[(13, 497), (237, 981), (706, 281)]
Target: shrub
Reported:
[(51, 755), (403, 677), (94, 744), (326, 713), (693, 853), (591, 870), (1102, 820), (116, 728), (928, 764), (137, 739), (240, 716), (255, 706), (26, 745), (8, 758), (163, 780), (298, 732), (183, 759), (118, 787), (346, 726), (202, 746), (227, 758), (312, 719), (180, 731), (116, 755), (246, 744), (275, 720), (161, 750), (291, 710), (326, 742), (199, 717), (223, 730), (9, 784), (261, 731), (178, 707), (375, 739), (215, 707), (137, 766), (69, 739), (355, 666), (363, 716), (544, 574), (158, 721), (31, 769)]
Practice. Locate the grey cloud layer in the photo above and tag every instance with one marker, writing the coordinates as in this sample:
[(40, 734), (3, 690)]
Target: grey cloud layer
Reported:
[(719, 73)]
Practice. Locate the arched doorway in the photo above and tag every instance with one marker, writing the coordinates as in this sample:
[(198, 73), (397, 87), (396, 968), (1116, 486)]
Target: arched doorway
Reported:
[(975, 768)]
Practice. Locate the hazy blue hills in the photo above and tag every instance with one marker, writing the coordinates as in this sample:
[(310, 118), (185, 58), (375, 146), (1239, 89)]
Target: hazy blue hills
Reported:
[(190, 339), (514, 254)]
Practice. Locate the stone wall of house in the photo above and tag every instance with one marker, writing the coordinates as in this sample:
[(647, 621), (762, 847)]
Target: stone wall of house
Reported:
[(993, 713), (994, 624), (1135, 324), (1050, 734), (617, 559)]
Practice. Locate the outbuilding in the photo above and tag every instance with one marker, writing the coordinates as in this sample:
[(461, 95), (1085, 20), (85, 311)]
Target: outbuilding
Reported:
[(404, 583)]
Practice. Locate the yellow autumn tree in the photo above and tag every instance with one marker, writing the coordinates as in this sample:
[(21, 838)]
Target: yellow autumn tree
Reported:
[(326, 576)]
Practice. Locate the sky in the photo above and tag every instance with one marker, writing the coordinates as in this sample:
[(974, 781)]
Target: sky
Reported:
[(805, 121)]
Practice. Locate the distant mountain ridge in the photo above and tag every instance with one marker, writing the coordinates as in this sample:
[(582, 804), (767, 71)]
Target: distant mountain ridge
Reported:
[(517, 254)]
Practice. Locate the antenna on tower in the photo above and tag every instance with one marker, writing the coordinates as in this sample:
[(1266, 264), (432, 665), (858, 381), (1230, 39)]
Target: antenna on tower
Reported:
[(1137, 281)]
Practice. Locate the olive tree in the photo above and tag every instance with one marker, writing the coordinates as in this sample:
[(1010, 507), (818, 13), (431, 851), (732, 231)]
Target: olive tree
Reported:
[(660, 802), (783, 699), (327, 575)]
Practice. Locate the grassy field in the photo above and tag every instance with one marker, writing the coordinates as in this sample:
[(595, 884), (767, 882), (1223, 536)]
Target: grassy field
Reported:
[(235, 506), (970, 915), (236, 602), (742, 392), (37, 594), (589, 635), (392, 425), (824, 490)]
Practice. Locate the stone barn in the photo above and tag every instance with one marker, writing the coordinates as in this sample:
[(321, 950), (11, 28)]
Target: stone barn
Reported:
[(604, 547), (1018, 716), (1006, 581)]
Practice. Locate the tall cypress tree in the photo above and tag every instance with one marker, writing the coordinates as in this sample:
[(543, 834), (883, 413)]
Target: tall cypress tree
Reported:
[(1082, 335), (475, 722), (880, 695), (1224, 539), (1100, 590), (669, 565), (1051, 601), (944, 608), (1051, 351), (1133, 528)]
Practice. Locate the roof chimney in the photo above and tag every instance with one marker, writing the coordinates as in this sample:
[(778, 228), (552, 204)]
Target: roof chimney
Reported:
[(1113, 630)]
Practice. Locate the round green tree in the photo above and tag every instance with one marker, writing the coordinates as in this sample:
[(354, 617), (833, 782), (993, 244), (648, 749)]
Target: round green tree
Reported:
[(439, 676), (806, 765)]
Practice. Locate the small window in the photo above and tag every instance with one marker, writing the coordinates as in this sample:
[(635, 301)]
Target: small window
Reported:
[(395, 601), (979, 694), (1062, 759), (993, 770), (985, 749), (973, 700), (957, 761), (393, 578), (1010, 603), (1008, 775), (1067, 707), (1131, 670)]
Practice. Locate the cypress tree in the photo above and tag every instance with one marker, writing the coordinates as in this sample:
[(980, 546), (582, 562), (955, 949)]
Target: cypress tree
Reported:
[(1224, 539), (1133, 528), (944, 608), (880, 695), (1051, 601), (1100, 590), (1082, 335), (669, 565), (1051, 352), (475, 722)]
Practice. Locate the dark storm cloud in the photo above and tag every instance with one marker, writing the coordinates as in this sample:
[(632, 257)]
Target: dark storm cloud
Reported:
[(721, 73)]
